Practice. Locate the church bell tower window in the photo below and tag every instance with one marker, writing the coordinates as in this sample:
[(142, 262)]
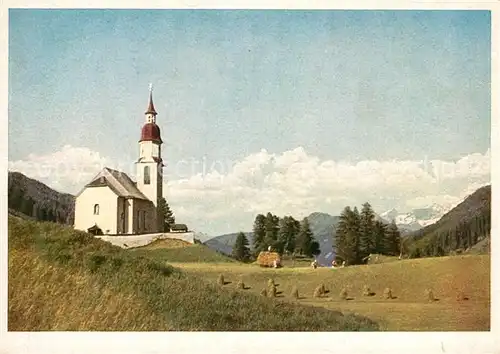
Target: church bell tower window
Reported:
[(147, 175), (96, 209)]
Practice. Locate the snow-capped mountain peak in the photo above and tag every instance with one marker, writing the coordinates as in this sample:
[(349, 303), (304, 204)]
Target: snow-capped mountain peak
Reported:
[(389, 214), (418, 217)]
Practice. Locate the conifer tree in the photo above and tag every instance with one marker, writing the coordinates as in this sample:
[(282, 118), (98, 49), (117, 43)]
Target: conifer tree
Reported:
[(346, 237), (305, 238), (392, 240), (286, 235), (366, 228), (282, 235), (379, 231), (271, 227), (259, 233), (315, 248), (340, 236), (295, 226), (356, 220), (241, 251), (167, 218)]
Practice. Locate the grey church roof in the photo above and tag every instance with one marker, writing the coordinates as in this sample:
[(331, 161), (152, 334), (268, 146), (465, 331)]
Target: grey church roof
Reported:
[(119, 182)]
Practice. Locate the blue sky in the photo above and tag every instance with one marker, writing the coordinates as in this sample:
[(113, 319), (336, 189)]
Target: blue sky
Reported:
[(344, 86)]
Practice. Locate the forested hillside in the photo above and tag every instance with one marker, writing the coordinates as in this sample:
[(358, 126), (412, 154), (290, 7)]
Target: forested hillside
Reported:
[(30, 198), (458, 230)]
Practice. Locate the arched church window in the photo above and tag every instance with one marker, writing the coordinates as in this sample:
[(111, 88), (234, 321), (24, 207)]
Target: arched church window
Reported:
[(147, 176), (96, 209)]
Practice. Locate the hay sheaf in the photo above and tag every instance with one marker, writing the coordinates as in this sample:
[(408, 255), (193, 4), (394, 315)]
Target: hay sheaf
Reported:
[(266, 259), (343, 294), (388, 293)]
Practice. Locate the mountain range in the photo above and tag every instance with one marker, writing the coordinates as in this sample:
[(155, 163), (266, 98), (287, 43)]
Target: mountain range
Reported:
[(416, 218)]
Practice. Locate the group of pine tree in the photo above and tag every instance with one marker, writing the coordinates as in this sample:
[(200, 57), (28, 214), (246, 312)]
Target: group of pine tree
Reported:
[(359, 234), (283, 235)]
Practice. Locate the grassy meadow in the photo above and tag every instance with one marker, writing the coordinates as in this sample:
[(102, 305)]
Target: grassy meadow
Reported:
[(65, 280), (460, 285), (171, 250)]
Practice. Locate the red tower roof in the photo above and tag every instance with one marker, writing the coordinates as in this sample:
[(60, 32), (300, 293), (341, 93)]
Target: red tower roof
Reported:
[(151, 132)]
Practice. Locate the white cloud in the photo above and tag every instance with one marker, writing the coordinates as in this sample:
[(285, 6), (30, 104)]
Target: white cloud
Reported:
[(66, 170), (296, 183), (292, 182)]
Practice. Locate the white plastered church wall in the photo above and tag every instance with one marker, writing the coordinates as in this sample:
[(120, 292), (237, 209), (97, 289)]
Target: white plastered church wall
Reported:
[(105, 217), (144, 217)]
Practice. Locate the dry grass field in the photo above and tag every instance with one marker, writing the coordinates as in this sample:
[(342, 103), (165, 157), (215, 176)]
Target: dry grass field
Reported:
[(460, 284)]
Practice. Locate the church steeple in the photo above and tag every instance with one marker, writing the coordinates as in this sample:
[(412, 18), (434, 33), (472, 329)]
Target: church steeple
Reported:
[(150, 131), (151, 107), (149, 165)]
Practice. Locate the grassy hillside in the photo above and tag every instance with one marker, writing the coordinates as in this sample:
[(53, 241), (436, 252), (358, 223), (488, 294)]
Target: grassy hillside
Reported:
[(410, 310), (61, 279), (180, 251)]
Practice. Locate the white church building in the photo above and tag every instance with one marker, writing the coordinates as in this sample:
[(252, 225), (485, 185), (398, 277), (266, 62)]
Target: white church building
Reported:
[(112, 203)]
